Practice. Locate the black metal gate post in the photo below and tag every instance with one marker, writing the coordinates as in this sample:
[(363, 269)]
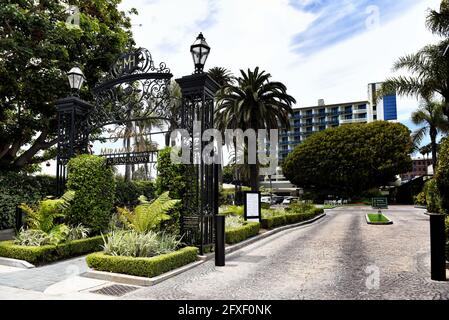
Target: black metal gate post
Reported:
[(198, 96), (220, 241), (437, 247), (73, 136)]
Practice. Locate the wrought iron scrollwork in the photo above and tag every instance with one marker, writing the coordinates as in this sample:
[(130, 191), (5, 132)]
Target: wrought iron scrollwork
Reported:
[(135, 89)]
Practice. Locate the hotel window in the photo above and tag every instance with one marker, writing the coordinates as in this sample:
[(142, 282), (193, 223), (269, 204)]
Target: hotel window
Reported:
[(322, 128), (322, 111), (335, 110), (309, 112), (362, 106), (374, 108), (375, 117), (309, 121), (348, 117), (362, 116), (322, 120), (309, 129)]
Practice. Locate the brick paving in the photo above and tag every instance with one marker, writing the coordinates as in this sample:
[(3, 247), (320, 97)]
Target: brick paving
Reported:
[(339, 257)]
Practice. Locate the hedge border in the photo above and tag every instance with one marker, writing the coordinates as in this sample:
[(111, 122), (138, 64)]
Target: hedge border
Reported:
[(50, 253), (287, 219), (236, 235), (142, 267)]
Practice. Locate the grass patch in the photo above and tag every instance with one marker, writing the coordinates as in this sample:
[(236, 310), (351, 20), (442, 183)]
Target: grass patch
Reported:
[(375, 218)]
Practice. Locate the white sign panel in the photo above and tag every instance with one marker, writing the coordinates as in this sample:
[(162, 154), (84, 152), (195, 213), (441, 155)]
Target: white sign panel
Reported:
[(252, 207)]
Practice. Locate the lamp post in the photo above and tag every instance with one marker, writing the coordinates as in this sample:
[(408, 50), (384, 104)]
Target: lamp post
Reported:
[(200, 52), (76, 79), (72, 135)]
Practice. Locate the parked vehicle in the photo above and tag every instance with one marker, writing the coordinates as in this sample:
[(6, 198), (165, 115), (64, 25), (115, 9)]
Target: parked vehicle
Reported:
[(289, 200), (277, 200), (265, 200)]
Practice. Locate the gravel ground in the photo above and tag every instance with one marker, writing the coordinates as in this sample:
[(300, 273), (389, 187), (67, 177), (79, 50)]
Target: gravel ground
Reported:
[(338, 257)]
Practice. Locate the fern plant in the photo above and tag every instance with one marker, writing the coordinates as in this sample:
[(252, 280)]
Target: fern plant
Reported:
[(43, 218), (148, 216)]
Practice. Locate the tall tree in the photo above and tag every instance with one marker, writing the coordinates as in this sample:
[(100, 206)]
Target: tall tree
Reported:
[(429, 67), (37, 48), (254, 102), (430, 116), (221, 75), (350, 159), (438, 21)]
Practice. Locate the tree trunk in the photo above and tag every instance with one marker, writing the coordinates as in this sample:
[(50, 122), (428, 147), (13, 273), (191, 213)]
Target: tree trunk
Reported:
[(433, 139), (254, 177)]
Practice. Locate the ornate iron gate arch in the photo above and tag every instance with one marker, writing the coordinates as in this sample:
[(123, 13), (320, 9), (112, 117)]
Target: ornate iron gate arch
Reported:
[(136, 90)]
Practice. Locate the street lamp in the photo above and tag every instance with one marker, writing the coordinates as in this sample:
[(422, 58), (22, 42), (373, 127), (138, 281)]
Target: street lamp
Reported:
[(76, 79), (200, 51)]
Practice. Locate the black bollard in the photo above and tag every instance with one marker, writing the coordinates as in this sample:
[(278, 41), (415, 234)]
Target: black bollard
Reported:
[(437, 247), (19, 219), (220, 241)]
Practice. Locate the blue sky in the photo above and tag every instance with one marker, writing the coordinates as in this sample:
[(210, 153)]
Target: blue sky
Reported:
[(320, 49), (339, 20)]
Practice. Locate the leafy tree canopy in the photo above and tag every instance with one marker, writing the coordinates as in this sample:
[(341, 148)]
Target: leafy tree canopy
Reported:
[(37, 48), (350, 159)]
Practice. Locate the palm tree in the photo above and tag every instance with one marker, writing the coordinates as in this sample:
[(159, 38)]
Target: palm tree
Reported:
[(254, 102), (438, 21), (222, 76), (430, 116), (430, 75), (429, 66), (173, 111)]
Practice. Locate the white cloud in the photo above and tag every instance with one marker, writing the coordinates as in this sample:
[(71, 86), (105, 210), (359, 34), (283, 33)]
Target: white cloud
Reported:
[(253, 33)]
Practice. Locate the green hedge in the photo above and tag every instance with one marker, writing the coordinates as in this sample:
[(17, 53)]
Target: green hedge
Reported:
[(50, 253), (128, 192), (94, 183), (277, 221), (142, 267), (17, 188), (235, 235)]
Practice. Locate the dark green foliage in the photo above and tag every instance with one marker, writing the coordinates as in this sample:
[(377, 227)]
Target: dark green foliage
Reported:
[(433, 198), (442, 175), (351, 159), (236, 235), (291, 218), (142, 267), (37, 48), (17, 188), (273, 222), (265, 205), (170, 176), (447, 238), (94, 184), (50, 253), (128, 192)]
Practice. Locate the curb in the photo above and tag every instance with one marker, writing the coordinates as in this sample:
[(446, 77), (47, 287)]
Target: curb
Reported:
[(139, 281), (15, 263), (389, 222), (247, 242), (147, 282)]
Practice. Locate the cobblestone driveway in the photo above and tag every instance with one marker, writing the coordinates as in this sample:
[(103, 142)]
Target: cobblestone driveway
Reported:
[(339, 257)]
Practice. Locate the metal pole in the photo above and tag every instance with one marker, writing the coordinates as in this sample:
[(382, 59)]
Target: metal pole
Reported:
[(437, 247), (220, 241)]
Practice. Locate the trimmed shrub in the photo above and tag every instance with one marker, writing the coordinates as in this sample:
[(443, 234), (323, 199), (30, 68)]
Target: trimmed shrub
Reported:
[(433, 199), (442, 175), (50, 253), (290, 218), (236, 235), (128, 192), (170, 176), (17, 188), (273, 222), (142, 267), (94, 184)]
